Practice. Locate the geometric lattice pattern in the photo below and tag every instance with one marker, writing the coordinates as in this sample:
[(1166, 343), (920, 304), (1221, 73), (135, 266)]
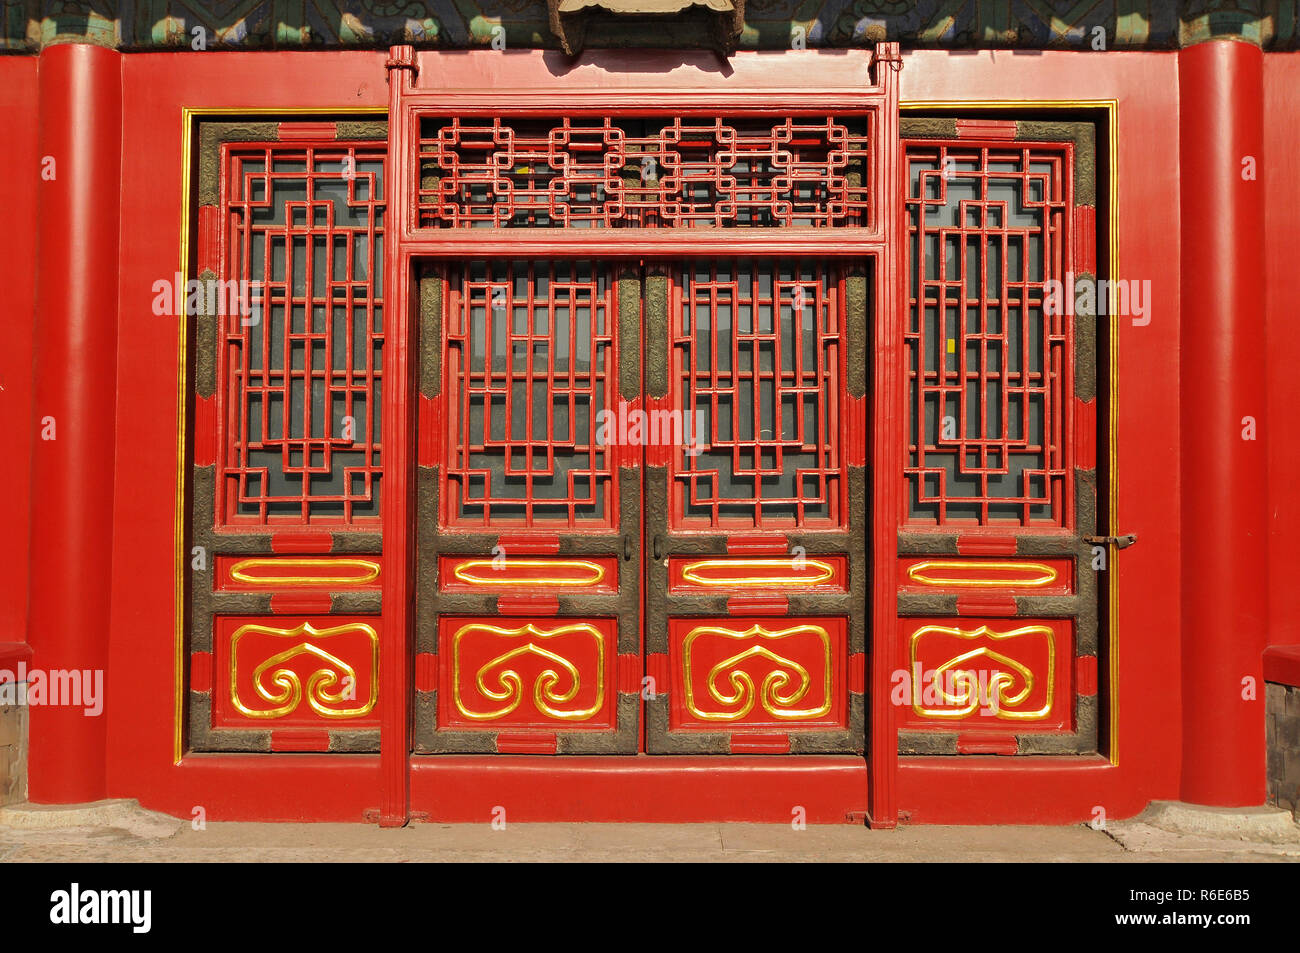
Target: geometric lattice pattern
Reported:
[(757, 347), (301, 373), (606, 172), (530, 366), (988, 369)]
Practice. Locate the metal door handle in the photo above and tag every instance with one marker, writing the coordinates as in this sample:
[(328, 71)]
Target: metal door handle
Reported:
[(658, 549), (627, 547), (1121, 542)]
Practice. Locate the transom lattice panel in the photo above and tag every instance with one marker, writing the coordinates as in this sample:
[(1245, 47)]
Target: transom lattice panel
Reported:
[(531, 364), (301, 371), (608, 172), (988, 368), (757, 350)]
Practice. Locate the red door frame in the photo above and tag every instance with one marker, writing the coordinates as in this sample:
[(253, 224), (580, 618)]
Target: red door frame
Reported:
[(859, 82)]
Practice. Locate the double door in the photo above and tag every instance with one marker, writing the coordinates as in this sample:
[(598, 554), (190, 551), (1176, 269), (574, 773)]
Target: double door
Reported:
[(641, 506)]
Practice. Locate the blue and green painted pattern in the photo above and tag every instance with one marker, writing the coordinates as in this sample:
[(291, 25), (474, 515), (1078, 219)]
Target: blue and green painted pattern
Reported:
[(30, 25)]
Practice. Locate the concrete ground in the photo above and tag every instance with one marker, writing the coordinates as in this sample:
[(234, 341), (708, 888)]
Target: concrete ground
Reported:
[(122, 832)]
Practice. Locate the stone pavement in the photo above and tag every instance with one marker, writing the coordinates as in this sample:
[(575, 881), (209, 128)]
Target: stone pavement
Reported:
[(120, 831)]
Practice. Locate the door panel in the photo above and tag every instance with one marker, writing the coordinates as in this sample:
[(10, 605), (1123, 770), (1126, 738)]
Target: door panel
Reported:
[(529, 589), (1000, 573), (756, 584), (528, 563), (288, 475)]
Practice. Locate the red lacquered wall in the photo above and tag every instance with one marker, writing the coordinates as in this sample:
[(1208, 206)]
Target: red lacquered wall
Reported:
[(993, 790), (1279, 177), (20, 164), (142, 624), (143, 669)]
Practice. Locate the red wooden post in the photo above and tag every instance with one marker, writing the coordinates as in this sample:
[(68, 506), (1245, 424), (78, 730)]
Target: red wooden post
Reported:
[(398, 443), (75, 391), (1224, 471)]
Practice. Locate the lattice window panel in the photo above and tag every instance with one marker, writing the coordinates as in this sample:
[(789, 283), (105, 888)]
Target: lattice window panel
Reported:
[(989, 372), (607, 172), (302, 373), (757, 350), (531, 364)]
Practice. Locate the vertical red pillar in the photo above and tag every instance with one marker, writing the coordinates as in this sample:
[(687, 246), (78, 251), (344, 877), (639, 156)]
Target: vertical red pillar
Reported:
[(396, 686), (73, 410), (1224, 463)]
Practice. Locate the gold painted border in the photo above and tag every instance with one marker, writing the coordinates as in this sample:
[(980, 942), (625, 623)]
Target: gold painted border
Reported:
[(188, 115), (916, 572), (371, 567), (459, 572), (691, 569), (1111, 107)]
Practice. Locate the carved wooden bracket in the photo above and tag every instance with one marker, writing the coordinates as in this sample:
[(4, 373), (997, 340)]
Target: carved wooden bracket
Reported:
[(570, 19)]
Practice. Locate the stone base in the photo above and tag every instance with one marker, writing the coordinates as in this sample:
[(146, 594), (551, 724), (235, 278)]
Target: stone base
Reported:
[(1263, 824), (127, 815)]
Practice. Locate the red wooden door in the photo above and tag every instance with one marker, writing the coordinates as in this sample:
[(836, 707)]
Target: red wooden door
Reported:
[(532, 574), (756, 523), (528, 519), (694, 579)]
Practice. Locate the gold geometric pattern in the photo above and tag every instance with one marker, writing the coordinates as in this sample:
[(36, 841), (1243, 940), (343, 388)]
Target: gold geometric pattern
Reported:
[(697, 572), (367, 571), (503, 576), (1038, 574)]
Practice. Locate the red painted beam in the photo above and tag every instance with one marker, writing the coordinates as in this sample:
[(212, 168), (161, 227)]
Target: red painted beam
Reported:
[(75, 398), (1224, 464)]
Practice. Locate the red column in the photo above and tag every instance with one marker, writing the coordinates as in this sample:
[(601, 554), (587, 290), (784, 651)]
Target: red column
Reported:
[(396, 686), (1224, 474), (76, 356)]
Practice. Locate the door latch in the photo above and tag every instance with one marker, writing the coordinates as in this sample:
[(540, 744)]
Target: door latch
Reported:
[(1120, 542)]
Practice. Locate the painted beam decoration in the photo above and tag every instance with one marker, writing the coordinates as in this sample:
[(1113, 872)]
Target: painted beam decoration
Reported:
[(521, 24)]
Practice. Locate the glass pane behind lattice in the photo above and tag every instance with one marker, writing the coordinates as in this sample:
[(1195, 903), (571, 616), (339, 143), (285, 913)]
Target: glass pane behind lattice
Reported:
[(757, 347), (301, 371), (987, 366), (530, 366)]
